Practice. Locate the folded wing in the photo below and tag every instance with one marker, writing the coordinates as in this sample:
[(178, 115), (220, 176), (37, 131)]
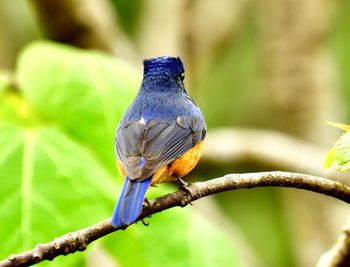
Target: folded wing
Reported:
[(143, 148)]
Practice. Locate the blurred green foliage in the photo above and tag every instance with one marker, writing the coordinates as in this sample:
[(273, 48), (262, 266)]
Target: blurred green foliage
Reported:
[(269, 234), (57, 125), (233, 75), (259, 215), (339, 42), (129, 14)]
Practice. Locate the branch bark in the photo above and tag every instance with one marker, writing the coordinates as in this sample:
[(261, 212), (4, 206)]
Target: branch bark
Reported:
[(79, 240)]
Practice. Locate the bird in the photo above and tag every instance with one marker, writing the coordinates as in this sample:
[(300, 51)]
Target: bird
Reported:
[(160, 137)]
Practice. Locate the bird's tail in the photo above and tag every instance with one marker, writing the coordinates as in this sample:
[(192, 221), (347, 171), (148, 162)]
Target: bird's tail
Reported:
[(130, 201)]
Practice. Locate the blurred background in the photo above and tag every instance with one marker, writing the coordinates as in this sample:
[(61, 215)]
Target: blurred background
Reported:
[(266, 74)]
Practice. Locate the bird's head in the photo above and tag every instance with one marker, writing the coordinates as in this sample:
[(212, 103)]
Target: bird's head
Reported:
[(163, 74), (171, 67)]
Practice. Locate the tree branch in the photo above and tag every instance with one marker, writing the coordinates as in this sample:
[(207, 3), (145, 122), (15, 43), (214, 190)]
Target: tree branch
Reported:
[(80, 25), (88, 24), (339, 254), (266, 150), (78, 241)]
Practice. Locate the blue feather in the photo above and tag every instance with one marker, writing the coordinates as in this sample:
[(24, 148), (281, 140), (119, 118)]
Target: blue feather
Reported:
[(130, 201), (159, 66)]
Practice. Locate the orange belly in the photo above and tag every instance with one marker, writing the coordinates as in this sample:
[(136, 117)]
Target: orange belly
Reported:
[(177, 169)]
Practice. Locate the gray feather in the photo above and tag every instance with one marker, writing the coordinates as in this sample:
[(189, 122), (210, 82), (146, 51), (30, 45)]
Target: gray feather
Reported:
[(158, 142)]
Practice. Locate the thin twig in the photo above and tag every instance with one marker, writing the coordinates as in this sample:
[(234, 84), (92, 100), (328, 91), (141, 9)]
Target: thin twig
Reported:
[(78, 241)]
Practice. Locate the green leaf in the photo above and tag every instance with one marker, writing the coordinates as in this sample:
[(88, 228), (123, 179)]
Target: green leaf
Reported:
[(342, 152), (341, 126), (85, 93), (339, 154), (330, 158), (176, 237), (49, 186)]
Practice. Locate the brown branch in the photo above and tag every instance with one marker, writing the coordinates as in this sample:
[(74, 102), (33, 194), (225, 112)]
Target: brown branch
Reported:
[(78, 241), (89, 24), (270, 150), (339, 254), (71, 22)]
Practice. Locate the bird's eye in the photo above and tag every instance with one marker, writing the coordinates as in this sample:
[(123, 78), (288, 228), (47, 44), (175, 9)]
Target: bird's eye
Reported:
[(182, 76)]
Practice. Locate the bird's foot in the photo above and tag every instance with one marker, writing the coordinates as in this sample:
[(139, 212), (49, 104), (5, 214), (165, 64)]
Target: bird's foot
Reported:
[(146, 203), (184, 187)]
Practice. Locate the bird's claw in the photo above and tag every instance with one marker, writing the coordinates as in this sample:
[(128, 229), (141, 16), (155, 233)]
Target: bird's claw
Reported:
[(146, 203), (184, 186)]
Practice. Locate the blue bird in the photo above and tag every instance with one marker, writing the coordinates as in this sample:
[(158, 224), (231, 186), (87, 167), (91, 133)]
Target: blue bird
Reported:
[(160, 137)]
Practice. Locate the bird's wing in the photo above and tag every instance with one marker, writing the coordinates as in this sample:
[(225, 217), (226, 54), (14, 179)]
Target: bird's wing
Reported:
[(159, 142), (128, 145)]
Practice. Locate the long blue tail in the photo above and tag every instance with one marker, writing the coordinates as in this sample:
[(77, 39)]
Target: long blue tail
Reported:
[(130, 201)]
